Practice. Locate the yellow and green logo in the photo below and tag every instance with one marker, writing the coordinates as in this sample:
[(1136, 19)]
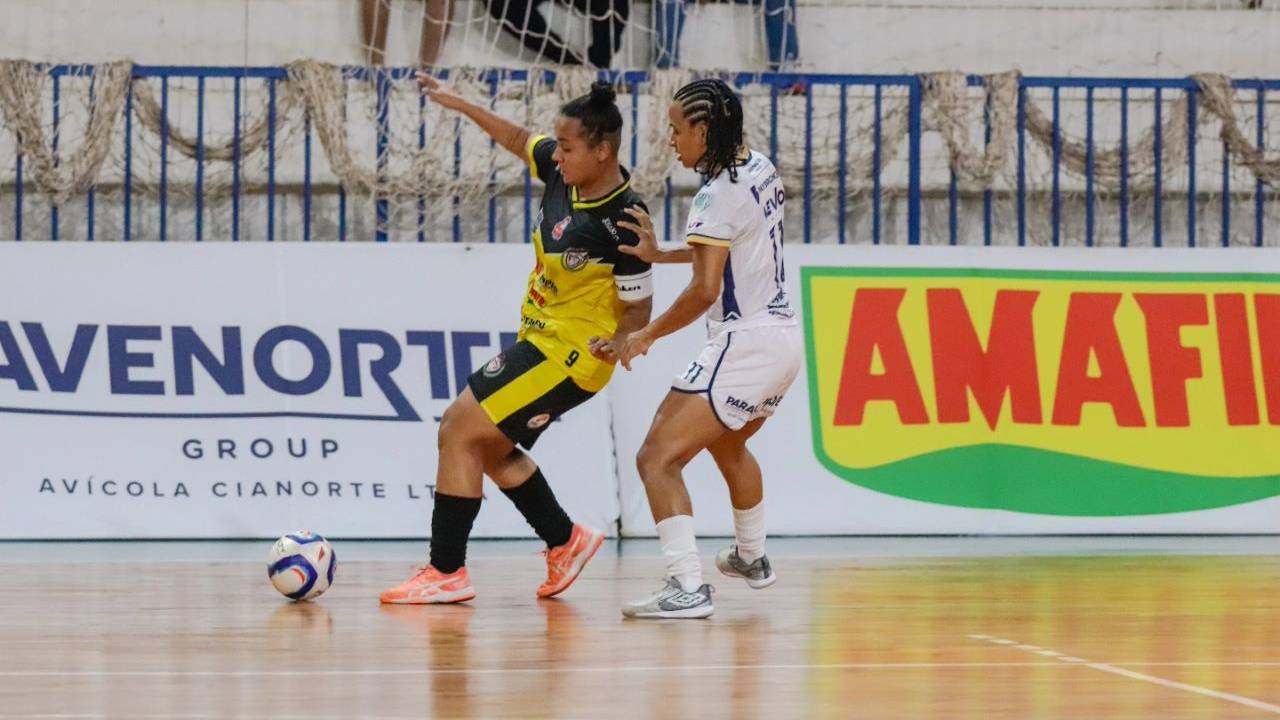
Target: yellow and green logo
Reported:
[(1060, 393)]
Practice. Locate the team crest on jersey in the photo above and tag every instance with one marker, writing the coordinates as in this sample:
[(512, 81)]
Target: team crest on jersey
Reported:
[(538, 421), (702, 201), (574, 259), (494, 366), (558, 231)]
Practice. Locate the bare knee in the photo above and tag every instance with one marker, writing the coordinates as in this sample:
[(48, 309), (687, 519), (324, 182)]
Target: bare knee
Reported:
[(646, 460), (448, 427), (655, 461), (456, 429)]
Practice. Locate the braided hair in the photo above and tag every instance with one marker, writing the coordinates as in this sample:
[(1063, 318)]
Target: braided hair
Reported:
[(598, 112), (714, 103)]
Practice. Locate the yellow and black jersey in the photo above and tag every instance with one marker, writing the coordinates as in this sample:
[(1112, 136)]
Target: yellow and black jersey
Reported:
[(580, 279)]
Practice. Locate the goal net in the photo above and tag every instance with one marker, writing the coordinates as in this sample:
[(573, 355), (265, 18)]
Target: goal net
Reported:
[(317, 151)]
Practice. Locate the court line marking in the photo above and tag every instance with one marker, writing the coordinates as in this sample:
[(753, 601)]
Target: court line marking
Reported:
[(1057, 662), (202, 716), (501, 671), (1115, 670), (188, 716)]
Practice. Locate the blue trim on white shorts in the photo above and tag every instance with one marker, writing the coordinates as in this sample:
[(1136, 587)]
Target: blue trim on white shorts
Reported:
[(711, 383)]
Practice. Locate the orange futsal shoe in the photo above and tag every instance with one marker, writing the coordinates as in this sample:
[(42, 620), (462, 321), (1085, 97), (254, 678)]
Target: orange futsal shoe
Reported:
[(565, 563), (430, 586)]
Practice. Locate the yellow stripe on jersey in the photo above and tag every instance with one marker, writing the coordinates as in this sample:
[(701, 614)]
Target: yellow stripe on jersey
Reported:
[(577, 205), (528, 151), (533, 384), (707, 240)]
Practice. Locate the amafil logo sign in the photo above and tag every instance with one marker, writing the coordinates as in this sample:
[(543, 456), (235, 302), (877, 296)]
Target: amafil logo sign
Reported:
[(183, 371), (1088, 394)]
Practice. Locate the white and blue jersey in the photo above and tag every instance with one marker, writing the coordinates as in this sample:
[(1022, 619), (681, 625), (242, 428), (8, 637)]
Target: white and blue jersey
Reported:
[(745, 217), (754, 346)]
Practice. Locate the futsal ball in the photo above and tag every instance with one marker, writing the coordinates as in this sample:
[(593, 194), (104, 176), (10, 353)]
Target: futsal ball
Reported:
[(301, 565)]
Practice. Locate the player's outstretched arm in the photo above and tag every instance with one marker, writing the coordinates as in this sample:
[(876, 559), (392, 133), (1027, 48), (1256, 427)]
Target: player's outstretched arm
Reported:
[(513, 137)]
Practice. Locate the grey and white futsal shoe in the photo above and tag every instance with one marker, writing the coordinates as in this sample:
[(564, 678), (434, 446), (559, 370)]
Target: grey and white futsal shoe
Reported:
[(671, 601), (758, 573)]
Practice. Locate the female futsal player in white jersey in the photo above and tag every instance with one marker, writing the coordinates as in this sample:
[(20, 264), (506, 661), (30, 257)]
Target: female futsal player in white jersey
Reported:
[(753, 352)]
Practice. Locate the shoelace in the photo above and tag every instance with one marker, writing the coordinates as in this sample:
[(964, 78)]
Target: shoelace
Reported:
[(678, 590), (679, 596), (560, 562), (424, 570)]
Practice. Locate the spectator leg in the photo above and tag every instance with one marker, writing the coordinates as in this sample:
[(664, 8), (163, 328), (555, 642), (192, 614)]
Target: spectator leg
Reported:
[(668, 23), (373, 27), (521, 19), (436, 15)]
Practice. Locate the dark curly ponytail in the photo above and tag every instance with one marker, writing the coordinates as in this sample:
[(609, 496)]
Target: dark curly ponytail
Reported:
[(598, 112)]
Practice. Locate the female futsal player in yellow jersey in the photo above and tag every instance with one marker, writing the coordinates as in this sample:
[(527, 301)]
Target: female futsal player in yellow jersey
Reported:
[(582, 288)]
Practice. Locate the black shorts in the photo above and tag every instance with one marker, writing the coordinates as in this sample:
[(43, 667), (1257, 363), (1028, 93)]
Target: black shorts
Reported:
[(522, 392)]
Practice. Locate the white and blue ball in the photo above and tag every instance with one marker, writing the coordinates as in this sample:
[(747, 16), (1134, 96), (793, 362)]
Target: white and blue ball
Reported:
[(301, 565)]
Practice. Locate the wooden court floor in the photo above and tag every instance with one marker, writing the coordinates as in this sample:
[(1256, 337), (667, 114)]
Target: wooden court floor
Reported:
[(936, 628)]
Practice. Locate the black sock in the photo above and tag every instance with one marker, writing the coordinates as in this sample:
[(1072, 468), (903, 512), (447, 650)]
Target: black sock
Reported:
[(451, 522), (538, 505)]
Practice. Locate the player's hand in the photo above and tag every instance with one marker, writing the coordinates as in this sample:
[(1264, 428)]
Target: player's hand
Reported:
[(647, 249), (603, 350), (441, 93), (633, 346)]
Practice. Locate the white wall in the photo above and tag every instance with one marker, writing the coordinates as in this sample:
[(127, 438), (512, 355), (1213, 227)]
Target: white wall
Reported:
[(1120, 37)]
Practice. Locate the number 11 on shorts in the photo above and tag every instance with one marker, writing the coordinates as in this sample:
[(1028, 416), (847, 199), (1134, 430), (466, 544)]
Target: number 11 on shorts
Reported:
[(691, 375)]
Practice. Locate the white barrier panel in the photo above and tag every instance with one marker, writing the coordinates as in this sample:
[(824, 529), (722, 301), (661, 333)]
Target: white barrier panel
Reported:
[(246, 390), (1160, 417), (170, 391)]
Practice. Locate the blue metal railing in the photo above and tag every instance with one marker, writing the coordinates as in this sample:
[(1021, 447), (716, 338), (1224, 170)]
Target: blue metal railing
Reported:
[(780, 86)]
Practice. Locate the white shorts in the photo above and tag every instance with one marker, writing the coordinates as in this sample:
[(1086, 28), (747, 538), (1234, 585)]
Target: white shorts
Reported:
[(745, 373)]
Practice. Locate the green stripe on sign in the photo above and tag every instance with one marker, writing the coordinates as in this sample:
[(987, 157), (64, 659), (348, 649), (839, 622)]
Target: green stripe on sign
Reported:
[(1008, 477)]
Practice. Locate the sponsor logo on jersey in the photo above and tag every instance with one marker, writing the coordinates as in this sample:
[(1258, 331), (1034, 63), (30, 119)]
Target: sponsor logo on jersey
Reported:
[(538, 421), (780, 306), (773, 201), (574, 259), (608, 225), (558, 231)]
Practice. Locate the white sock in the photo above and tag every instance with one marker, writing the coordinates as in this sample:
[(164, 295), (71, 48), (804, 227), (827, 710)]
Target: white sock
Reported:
[(680, 549), (748, 525)]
